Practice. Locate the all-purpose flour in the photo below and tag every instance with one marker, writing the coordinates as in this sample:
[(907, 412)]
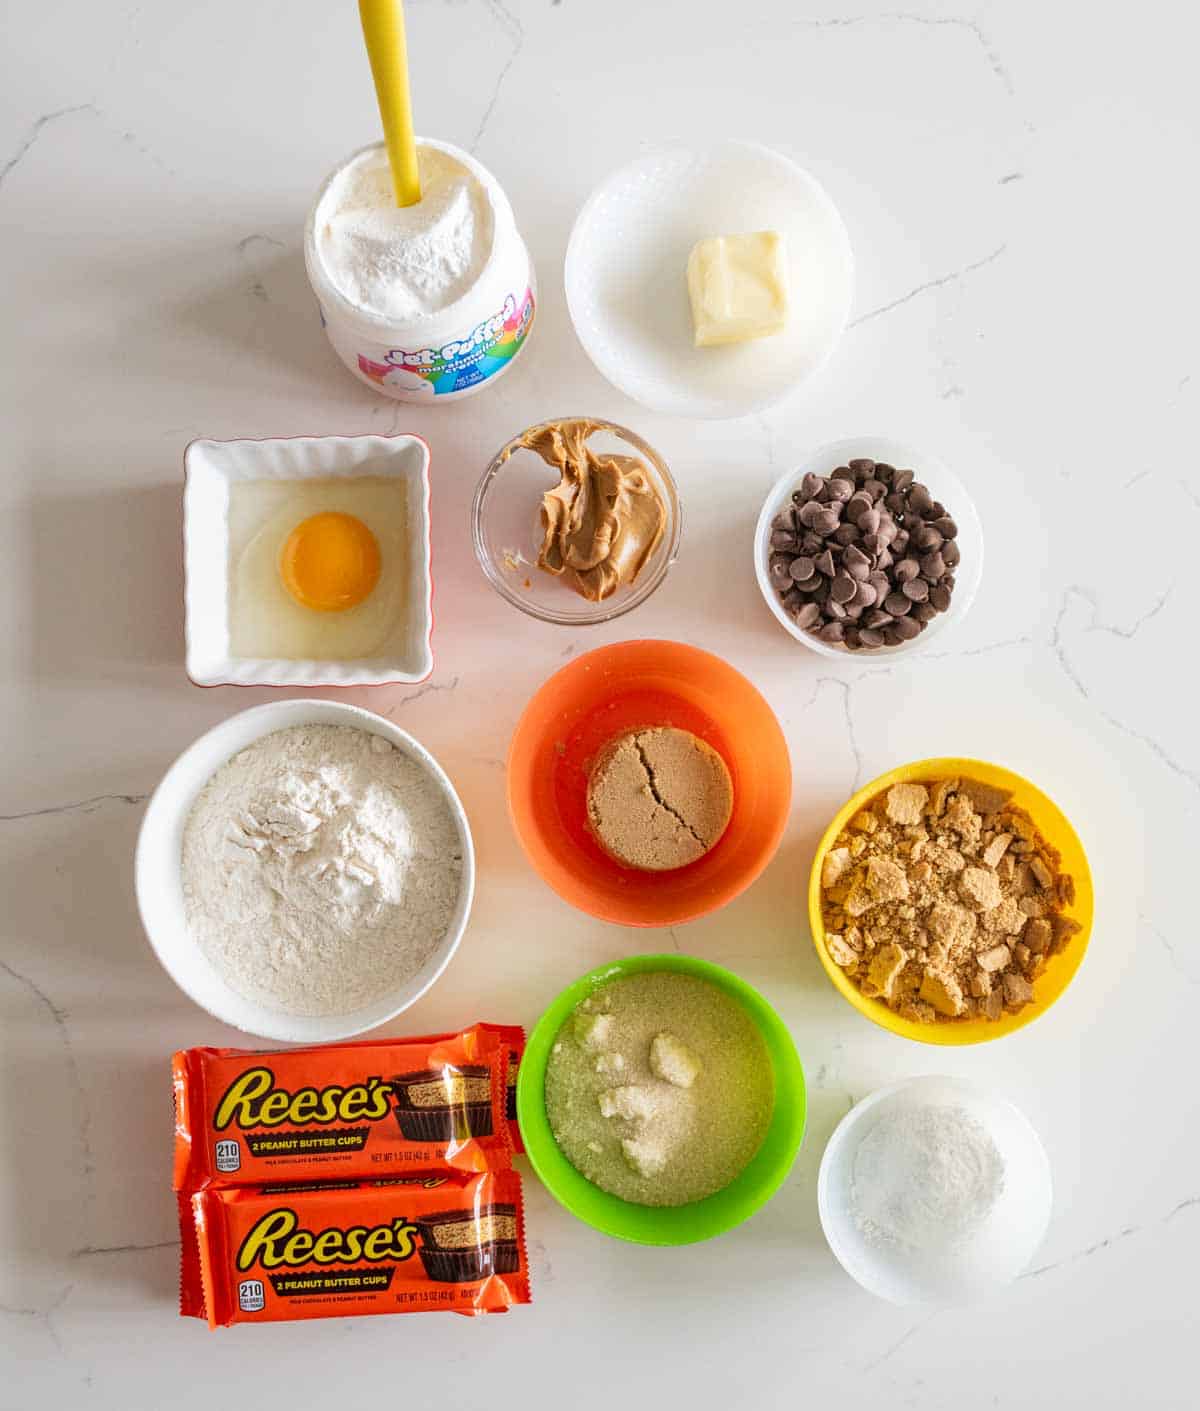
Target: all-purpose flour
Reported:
[(321, 867), (402, 262)]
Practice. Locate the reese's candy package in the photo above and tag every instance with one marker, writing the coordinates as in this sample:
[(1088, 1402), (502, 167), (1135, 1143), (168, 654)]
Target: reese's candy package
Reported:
[(275, 1253), (514, 1036), (353, 1111)]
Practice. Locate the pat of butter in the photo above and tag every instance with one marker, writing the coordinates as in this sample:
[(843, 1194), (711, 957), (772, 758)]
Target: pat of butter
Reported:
[(738, 288)]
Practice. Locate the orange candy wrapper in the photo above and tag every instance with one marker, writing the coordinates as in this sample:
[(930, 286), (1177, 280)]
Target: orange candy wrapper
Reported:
[(355, 1111), (451, 1242)]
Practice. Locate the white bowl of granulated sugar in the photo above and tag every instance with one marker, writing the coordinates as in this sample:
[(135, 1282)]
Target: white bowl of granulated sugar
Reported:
[(305, 871), (933, 1191)]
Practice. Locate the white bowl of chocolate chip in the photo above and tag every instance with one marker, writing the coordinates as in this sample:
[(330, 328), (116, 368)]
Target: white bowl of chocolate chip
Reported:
[(868, 547)]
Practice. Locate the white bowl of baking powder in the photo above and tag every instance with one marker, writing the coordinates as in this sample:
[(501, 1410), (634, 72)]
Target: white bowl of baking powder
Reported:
[(426, 303), (933, 1191), (160, 888)]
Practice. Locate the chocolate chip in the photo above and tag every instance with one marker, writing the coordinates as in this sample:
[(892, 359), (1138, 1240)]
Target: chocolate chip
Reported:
[(843, 588), (863, 556), (919, 498), (856, 563)]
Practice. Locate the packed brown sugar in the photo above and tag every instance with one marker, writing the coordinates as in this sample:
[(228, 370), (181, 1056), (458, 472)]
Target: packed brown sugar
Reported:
[(943, 900)]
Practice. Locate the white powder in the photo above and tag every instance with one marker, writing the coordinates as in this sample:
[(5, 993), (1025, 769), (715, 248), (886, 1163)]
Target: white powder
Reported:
[(321, 867), (404, 261), (926, 1177)]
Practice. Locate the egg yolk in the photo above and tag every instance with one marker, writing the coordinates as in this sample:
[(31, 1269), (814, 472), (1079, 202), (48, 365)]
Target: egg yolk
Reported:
[(330, 562)]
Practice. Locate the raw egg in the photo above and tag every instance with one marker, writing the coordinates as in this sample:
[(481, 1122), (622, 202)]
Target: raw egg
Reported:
[(330, 562), (318, 568)]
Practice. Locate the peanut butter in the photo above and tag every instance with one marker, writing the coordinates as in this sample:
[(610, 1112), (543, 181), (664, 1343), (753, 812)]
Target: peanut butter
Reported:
[(604, 519)]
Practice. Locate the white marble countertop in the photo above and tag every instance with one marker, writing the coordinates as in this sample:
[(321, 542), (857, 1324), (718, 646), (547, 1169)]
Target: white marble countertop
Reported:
[(1024, 309)]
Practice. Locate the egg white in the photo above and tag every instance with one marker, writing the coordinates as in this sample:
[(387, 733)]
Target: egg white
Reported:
[(264, 619)]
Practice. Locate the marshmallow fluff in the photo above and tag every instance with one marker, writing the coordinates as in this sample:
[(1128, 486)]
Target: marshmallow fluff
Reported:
[(404, 262)]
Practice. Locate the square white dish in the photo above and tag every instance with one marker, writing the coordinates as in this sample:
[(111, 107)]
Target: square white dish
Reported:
[(211, 467)]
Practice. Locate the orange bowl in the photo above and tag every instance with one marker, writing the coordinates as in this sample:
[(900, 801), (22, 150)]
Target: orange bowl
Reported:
[(632, 686)]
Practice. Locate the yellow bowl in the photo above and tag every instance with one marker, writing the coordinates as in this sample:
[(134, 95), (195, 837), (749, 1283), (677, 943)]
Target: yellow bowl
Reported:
[(1060, 969)]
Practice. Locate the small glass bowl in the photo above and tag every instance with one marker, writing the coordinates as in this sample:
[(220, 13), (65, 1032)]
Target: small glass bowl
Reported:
[(506, 529)]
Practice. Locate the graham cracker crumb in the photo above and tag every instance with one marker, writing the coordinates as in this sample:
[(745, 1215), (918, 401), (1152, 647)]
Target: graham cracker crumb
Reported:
[(942, 900)]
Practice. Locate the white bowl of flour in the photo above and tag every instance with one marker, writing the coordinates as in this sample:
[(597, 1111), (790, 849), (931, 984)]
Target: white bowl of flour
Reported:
[(932, 1191), (305, 871)]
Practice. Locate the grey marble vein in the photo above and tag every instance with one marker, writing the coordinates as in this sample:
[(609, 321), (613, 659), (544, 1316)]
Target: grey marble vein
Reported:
[(1172, 952), (59, 1018), (430, 688), (88, 1250), (1122, 1234), (1189, 776), (515, 31), (1024, 640), (895, 1346), (89, 805), (35, 132), (972, 27), (847, 690), (929, 284)]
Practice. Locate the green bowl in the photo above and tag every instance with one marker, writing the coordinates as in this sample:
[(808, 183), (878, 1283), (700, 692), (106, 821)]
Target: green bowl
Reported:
[(655, 1224)]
